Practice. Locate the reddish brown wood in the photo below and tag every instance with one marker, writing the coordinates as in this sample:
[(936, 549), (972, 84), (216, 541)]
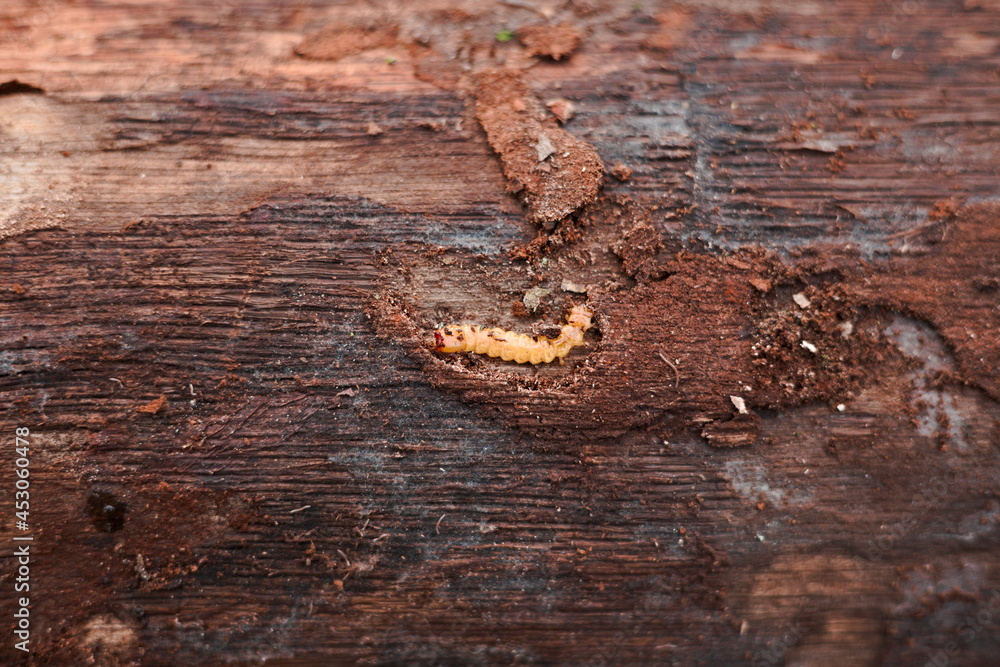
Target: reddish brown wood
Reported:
[(219, 261)]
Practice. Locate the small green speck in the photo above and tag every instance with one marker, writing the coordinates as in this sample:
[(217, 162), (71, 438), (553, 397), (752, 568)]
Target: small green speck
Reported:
[(505, 35), (352, 334), (545, 261), (389, 60)]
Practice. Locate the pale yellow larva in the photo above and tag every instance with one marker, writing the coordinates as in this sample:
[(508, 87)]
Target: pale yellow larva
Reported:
[(512, 346)]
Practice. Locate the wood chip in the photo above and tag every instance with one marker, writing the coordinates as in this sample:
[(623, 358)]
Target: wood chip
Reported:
[(562, 109), (533, 297), (569, 286), (544, 147), (153, 406)]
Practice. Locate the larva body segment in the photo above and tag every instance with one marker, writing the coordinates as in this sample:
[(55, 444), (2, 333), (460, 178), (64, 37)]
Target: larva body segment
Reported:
[(512, 346)]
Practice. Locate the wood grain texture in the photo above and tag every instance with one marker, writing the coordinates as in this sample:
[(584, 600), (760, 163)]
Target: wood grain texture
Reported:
[(241, 456)]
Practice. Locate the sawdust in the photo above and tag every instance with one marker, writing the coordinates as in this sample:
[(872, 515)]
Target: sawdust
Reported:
[(683, 337), (554, 172), (337, 41), (821, 352), (955, 285), (697, 317), (550, 41)]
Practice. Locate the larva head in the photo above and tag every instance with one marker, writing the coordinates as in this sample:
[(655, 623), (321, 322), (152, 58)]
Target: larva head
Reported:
[(579, 316), (449, 340)]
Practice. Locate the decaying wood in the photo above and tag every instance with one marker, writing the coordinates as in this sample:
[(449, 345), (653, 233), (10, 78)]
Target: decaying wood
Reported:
[(228, 231)]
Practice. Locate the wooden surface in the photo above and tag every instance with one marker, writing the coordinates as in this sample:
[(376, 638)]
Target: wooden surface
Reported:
[(227, 230)]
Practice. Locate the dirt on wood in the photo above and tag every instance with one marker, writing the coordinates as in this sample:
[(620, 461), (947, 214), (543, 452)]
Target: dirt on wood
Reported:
[(553, 171), (337, 41), (678, 335), (748, 329), (950, 277), (552, 41)]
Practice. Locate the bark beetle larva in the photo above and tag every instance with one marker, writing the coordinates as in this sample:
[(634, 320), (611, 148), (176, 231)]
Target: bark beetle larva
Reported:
[(511, 346)]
